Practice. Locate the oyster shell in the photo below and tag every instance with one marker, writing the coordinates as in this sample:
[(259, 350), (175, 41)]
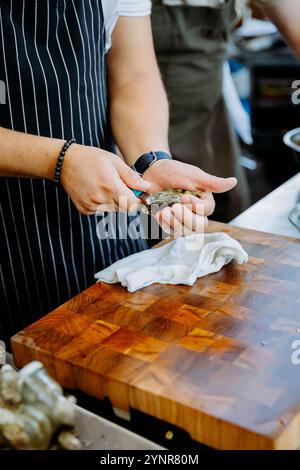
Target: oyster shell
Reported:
[(154, 202)]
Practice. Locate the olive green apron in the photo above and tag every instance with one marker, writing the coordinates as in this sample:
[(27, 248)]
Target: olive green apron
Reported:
[(191, 45)]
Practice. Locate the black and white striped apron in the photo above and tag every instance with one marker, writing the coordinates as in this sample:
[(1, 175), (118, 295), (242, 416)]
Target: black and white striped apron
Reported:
[(52, 60)]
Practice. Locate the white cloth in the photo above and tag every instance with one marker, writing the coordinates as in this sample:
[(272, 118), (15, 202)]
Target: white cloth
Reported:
[(112, 9), (181, 261)]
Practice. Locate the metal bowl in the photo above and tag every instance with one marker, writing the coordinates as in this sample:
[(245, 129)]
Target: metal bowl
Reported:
[(292, 140), (294, 216)]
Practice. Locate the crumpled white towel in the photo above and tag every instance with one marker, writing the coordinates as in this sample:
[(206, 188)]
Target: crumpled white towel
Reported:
[(181, 261)]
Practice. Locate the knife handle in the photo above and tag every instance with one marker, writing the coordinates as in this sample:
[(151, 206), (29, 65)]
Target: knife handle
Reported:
[(138, 193)]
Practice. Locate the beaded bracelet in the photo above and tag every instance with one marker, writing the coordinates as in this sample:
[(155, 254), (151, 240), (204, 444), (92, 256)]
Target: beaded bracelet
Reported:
[(60, 159)]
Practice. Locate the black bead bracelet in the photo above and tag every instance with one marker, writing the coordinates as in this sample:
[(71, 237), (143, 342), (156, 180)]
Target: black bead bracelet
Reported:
[(60, 159)]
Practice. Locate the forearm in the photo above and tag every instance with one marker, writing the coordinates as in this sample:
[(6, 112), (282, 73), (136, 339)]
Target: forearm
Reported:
[(286, 16), (138, 104), (27, 156), (140, 117)]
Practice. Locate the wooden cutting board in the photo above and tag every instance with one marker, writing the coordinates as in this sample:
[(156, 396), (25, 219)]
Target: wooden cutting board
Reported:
[(215, 359)]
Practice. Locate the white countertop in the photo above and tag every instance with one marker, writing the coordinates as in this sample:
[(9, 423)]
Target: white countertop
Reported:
[(270, 214)]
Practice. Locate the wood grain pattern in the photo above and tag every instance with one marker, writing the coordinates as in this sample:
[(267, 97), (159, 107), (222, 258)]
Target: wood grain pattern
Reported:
[(214, 358)]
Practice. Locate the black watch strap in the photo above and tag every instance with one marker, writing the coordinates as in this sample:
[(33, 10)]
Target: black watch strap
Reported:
[(145, 161)]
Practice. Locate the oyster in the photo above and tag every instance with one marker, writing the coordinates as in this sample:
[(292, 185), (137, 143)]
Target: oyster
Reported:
[(154, 202)]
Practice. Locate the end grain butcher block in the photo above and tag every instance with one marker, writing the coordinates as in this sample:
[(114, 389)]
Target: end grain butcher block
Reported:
[(215, 359)]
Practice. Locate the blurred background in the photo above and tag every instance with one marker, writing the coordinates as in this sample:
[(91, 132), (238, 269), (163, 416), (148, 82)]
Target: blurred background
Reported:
[(263, 69)]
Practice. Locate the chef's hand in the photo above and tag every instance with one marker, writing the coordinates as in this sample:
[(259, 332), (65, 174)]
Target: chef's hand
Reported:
[(187, 217), (98, 181), (191, 214)]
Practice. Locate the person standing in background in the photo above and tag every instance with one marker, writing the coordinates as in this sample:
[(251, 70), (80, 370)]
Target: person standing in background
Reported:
[(190, 38)]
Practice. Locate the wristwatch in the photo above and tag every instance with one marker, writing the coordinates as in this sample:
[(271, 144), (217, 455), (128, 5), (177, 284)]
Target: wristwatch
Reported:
[(145, 161)]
